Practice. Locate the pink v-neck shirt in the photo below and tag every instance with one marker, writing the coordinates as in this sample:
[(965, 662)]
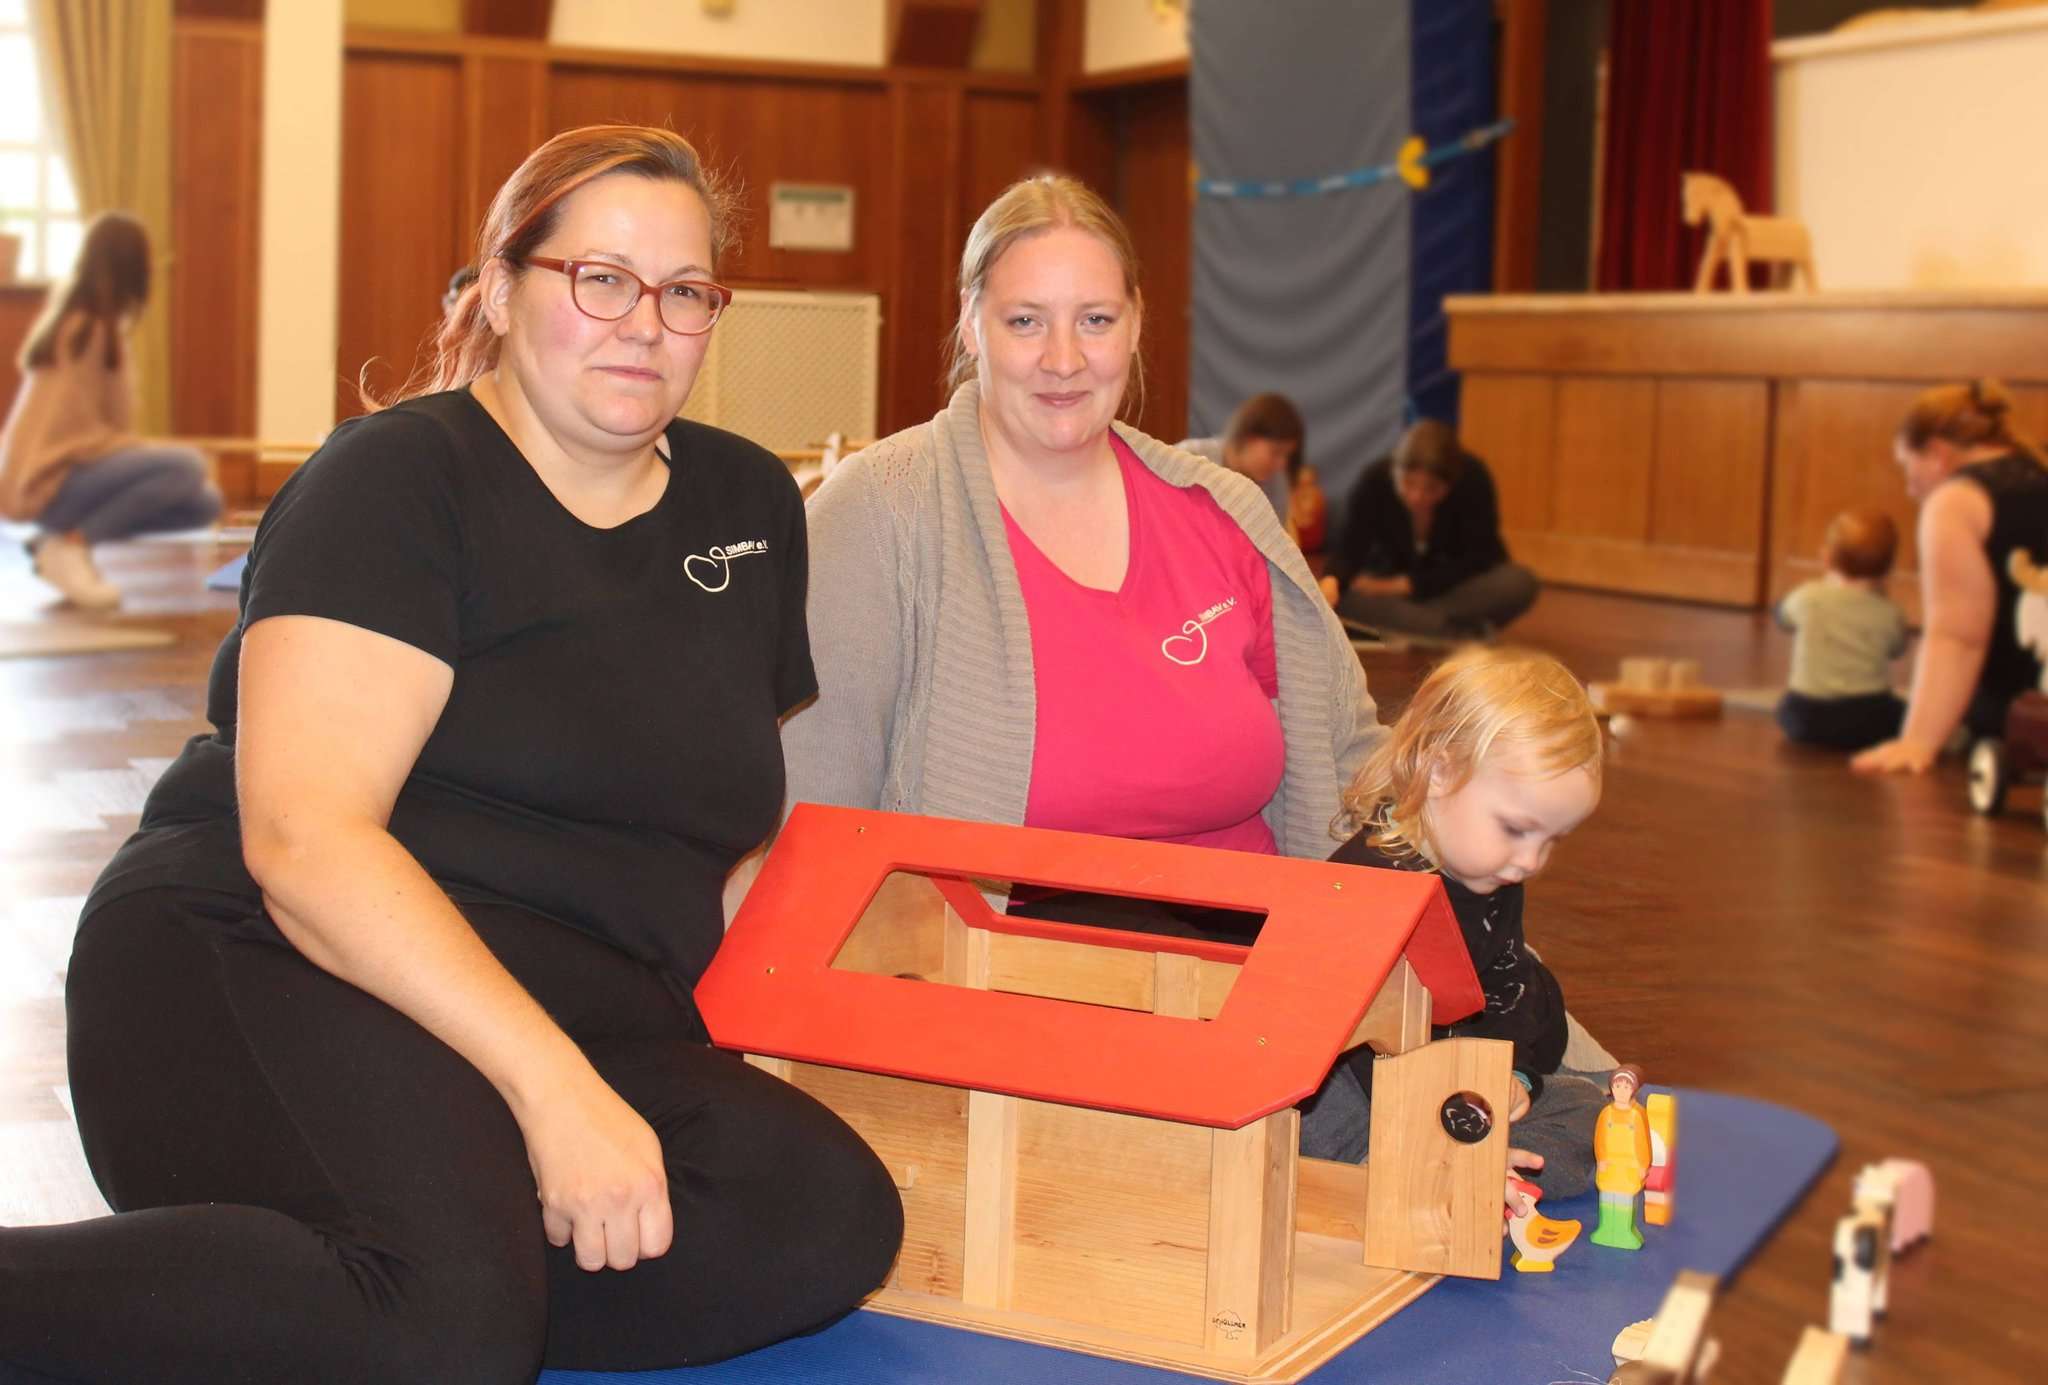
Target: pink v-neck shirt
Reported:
[(1155, 701)]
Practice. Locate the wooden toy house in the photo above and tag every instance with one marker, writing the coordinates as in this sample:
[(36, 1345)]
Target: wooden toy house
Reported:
[(1093, 1131)]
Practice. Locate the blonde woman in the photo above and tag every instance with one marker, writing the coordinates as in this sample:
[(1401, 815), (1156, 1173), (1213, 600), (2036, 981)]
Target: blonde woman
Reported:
[(1983, 493), (1026, 612)]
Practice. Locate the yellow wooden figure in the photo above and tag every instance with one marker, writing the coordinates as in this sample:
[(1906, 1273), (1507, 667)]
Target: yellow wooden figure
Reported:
[(1621, 1155)]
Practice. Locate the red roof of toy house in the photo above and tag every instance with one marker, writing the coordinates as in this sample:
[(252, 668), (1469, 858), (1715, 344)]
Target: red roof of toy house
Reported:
[(1331, 936)]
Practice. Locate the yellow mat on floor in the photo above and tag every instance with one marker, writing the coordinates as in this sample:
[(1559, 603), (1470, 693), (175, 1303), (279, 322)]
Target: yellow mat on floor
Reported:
[(21, 639)]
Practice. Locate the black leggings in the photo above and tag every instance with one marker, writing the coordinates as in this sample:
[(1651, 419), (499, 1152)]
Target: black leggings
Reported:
[(311, 1187)]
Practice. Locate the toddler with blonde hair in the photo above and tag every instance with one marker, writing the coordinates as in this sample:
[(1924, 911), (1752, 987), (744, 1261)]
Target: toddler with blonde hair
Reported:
[(1494, 761)]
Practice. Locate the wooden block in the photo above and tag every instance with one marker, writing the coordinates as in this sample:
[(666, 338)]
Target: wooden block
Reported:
[(991, 1227), (1660, 1187), (1433, 1203), (1398, 1019), (1678, 1339), (965, 952), (1819, 1359), (1646, 675), (1685, 673), (1613, 699), (774, 1067), (1251, 1234)]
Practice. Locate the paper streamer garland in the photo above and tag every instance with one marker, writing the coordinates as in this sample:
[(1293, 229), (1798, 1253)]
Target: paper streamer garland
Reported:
[(1411, 166)]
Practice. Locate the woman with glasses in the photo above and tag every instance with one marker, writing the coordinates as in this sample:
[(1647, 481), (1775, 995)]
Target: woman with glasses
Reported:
[(382, 1043), (1024, 612)]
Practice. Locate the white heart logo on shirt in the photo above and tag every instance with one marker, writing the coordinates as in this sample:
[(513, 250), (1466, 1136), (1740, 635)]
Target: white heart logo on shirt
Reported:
[(1193, 636), (716, 562), (718, 558)]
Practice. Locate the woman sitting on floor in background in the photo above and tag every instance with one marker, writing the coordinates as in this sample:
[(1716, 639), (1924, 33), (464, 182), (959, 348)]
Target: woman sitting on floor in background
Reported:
[(1983, 493), (1024, 613), (381, 1030), (1265, 441), (1420, 552), (1846, 632), (68, 458)]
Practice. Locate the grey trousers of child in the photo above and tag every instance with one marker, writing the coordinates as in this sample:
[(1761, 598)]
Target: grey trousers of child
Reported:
[(1336, 1123)]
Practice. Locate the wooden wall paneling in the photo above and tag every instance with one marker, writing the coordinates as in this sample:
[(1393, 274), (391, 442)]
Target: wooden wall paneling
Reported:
[(1510, 421), (504, 118), (1707, 479), (216, 151), (1000, 145), (1060, 29), (923, 265), (1606, 435), (1519, 28), (761, 131), (1849, 336), (932, 33), (20, 306), (1836, 452), (1155, 194), (401, 200)]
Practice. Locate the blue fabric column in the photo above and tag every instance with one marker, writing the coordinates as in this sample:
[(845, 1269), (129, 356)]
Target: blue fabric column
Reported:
[(1305, 295), (1452, 89)]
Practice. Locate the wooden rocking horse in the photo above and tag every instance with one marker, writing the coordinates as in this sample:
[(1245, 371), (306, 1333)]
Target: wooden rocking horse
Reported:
[(1740, 239)]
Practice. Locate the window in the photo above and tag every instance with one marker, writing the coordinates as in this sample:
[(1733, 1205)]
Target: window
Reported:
[(37, 201)]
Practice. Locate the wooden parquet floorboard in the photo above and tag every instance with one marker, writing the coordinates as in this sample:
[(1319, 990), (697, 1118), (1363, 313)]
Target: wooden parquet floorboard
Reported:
[(1739, 915)]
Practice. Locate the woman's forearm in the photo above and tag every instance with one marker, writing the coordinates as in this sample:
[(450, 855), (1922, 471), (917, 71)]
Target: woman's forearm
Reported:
[(1944, 679), (356, 904)]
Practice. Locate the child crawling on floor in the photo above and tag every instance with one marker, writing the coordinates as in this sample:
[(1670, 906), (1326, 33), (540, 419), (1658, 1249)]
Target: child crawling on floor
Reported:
[(1494, 762)]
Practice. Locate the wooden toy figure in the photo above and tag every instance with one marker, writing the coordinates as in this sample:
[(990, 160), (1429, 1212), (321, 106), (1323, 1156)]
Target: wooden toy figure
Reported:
[(1659, 1184), (1852, 1299), (1621, 1155), (1912, 1202), (1538, 1240), (1874, 1192), (1737, 238)]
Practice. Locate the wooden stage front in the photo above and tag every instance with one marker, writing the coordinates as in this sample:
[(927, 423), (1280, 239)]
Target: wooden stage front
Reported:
[(1696, 445)]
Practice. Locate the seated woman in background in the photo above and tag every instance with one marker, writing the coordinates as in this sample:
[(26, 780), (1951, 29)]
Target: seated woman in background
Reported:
[(381, 1028), (1420, 551), (1024, 614), (1266, 441), (68, 458), (1983, 493)]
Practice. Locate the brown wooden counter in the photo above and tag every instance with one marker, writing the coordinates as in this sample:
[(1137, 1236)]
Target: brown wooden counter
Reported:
[(1695, 446)]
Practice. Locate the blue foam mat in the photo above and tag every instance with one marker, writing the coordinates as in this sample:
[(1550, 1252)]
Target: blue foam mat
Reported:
[(1742, 1165)]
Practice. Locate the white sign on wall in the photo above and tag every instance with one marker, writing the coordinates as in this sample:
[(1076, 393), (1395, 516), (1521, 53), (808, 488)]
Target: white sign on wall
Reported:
[(810, 216)]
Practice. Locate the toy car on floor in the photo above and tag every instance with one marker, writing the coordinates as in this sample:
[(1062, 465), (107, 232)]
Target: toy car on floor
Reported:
[(1999, 762)]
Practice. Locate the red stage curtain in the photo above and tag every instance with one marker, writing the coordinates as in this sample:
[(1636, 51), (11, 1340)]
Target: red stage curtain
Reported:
[(1688, 88)]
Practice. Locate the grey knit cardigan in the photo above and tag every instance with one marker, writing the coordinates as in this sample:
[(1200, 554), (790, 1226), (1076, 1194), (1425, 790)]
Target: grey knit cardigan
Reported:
[(926, 697)]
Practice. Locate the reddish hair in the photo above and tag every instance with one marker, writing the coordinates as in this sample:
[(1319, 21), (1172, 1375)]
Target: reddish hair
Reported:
[(525, 213)]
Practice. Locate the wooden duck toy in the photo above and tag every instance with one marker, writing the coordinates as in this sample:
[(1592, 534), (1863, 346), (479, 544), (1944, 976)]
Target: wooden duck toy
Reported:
[(1538, 1240)]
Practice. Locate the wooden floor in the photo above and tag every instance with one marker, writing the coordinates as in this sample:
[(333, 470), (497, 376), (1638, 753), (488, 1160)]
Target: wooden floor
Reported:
[(1738, 915)]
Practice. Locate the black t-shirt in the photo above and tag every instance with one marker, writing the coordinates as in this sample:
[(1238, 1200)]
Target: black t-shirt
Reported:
[(2018, 487), (610, 745), (1379, 538), (1524, 1004)]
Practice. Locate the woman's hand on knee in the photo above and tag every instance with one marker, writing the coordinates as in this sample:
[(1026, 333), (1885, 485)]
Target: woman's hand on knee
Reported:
[(1894, 757), (598, 1170)]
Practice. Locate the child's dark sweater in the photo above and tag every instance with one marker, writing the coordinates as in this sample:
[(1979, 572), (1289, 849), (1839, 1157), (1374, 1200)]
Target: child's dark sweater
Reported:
[(1523, 1002)]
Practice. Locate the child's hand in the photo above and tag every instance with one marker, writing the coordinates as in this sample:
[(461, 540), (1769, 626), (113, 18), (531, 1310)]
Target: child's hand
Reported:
[(1518, 1103), (1528, 1161)]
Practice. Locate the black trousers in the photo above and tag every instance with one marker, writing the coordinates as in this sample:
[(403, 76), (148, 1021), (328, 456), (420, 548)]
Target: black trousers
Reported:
[(310, 1187), (1840, 723)]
